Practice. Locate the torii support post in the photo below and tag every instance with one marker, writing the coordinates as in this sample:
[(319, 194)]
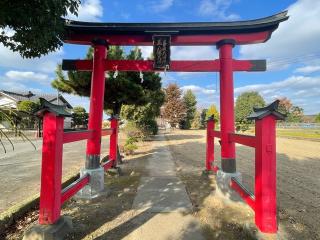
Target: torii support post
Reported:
[(92, 165), (228, 162), (52, 224), (51, 170), (210, 144), (266, 175), (114, 122)]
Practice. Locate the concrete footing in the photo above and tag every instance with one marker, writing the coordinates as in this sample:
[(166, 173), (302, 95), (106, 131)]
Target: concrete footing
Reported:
[(95, 187), (223, 185), (56, 231)]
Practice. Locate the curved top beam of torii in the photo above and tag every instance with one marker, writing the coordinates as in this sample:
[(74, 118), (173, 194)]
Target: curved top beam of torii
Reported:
[(201, 33)]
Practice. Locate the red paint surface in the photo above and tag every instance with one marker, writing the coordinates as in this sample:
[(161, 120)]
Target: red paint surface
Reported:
[(113, 141), (226, 101), (243, 194), (216, 134), (243, 139), (51, 169), (96, 100), (178, 40), (67, 193), (266, 175), (210, 145), (76, 136), (242, 65), (147, 65), (107, 165), (175, 65), (106, 132)]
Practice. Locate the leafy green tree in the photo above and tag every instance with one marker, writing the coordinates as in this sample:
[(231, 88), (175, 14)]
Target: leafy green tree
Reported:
[(190, 102), (294, 113), (28, 106), (318, 118), (196, 122), (174, 108), (79, 116), (203, 119), (145, 116), (213, 111), (27, 109), (123, 88), (244, 107), (36, 27)]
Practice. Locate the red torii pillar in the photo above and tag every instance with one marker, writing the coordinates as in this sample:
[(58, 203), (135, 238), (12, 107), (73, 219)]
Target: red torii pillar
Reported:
[(92, 164), (228, 162)]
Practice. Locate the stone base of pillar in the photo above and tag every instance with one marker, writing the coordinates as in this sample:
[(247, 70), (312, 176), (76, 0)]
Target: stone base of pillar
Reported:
[(56, 231), (223, 185), (95, 188)]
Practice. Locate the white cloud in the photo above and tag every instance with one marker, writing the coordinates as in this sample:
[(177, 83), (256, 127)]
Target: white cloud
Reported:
[(27, 76), (308, 69), (295, 41), (302, 90), (9, 84), (89, 10), (193, 53), (198, 90), (46, 63), (185, 52), (217, 9), (160, 6)]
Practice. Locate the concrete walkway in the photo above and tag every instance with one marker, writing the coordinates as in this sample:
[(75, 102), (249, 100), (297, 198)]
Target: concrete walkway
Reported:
[(163, 201)]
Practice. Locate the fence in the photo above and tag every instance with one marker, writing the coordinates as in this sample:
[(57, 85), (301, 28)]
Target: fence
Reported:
[(54, 136), (263, 201)]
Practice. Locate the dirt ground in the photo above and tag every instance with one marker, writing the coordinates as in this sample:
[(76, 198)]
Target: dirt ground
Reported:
[(111, 217), (298, 184)]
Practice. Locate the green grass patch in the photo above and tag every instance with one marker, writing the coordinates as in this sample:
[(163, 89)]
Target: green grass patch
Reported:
[(299, 133)]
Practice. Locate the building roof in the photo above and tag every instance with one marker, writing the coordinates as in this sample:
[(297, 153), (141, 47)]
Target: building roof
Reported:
[(28, 95)]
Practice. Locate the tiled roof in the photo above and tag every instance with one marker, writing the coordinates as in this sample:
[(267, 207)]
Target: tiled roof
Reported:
[(28, 95)]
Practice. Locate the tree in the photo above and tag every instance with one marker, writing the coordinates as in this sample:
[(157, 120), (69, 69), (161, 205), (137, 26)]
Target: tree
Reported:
[(196, 122), (122, 88), (318, 118), (285, 105), (294, 113), (190, 102), (212, 111), (27, 109), (145, 116), (203, 119), (79, 117), (174, 108), (34, 28), (28, 106), (244, 107)]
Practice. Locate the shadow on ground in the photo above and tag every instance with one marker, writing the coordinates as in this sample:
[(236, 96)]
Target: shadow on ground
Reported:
[(112, 217)]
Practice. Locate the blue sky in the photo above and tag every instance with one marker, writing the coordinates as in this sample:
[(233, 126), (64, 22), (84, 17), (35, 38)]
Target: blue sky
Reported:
[(293, 52)]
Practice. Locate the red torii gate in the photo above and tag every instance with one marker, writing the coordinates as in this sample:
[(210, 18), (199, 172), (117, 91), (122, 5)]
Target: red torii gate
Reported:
[(225, 35)]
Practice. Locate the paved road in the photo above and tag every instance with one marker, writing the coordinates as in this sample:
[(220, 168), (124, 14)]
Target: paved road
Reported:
[(20, 169)]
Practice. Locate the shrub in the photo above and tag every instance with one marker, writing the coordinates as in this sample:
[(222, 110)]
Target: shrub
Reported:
[(130, 145)]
